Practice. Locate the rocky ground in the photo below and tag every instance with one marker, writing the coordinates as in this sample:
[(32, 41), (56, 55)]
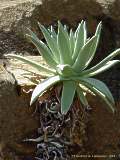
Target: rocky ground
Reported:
[(15, 16)]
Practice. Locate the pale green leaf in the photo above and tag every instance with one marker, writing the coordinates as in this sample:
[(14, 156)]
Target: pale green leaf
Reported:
[(95, 44), (72, 41), (97, 92), (39, 67), (42, 49), (103, 62), (66, 28), (64, 45), (80, 39), (65, 70), (84, 55), (52, 43), (87, 39), (85, 32), (42, 87), (108, 65), (76, 32), (99, 88), (53, 33), (68, 92)]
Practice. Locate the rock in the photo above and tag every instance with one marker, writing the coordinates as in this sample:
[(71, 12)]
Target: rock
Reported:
[(114, 11), (103, 131), (14, 13), (15, 16), (16, 120)]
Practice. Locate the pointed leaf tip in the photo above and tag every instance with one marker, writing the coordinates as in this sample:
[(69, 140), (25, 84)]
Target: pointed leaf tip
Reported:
[(64, 45)]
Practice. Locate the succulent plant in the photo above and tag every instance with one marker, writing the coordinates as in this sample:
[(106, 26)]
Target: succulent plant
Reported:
[(68, 55)]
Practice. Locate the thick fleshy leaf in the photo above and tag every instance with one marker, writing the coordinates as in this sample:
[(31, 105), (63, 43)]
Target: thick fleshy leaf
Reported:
[(72, 42), (65, 70), (105, 99), (85, 32), (107, 66), (64, 45), (52, 43), (80, 39), (99, 88), (84, 55), (53, 33), (103, 62), (42, 49), (95, 44), (68, 92), (108, 58), (77, 29), (66, 28), (43, 86), (87, 39), (82, 97), (39, 67)]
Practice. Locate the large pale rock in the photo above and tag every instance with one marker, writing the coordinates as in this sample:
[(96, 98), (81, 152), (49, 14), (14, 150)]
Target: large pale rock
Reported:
[(14, 17), (17, 12)]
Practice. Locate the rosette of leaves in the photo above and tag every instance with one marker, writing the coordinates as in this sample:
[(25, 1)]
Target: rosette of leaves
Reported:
[(68, 55)]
